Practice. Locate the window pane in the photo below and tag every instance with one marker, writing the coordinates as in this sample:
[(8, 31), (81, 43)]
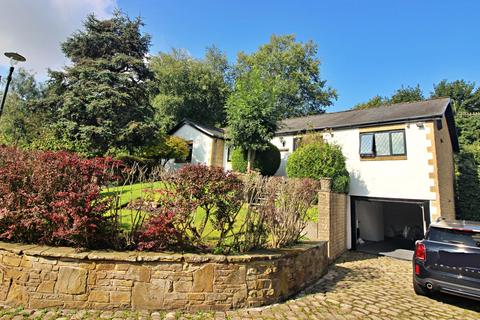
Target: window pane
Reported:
[(398, 143), (382, 143), (366, 144)]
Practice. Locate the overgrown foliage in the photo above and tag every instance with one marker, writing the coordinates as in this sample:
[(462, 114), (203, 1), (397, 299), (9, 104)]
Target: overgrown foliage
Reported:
[(317, 160), (266, 162), (54, 198), (468, 182)]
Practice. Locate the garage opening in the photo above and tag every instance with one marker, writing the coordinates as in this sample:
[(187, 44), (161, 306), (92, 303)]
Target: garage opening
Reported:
[(388, 226)]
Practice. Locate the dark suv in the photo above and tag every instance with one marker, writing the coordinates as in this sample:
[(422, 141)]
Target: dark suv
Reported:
[(448, 259)]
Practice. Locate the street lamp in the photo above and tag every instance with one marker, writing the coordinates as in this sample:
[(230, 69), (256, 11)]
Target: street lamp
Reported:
[(14, 59)]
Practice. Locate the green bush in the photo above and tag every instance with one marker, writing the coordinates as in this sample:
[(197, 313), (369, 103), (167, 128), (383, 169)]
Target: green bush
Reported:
[(318, 160), (266, 162), (467, 188)]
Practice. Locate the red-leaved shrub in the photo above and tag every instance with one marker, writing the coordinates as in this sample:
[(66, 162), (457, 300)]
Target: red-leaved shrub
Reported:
[(216, 192), (54, 198)]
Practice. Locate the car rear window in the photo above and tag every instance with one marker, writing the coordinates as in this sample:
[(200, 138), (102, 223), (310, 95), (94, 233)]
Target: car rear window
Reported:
[(464, 237)]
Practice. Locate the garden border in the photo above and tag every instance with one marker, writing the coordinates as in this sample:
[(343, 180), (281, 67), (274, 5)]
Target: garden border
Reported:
[(39, 276)]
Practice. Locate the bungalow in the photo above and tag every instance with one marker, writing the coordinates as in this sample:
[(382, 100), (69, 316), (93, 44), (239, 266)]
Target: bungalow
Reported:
[(400, 160)]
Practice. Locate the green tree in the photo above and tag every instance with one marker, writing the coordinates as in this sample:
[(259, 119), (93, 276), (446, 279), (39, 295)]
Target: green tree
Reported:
[(252, 113), (407, 94), (20, 123), (465, 98), (100, 102), (404, 94), (303, 91), (164, 149), (375, 102), (186, 87)]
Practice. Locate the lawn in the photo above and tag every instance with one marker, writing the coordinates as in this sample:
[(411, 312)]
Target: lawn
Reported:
[(136, 191)]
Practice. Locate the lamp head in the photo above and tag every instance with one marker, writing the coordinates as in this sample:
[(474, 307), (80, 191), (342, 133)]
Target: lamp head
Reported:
[(15, 58)]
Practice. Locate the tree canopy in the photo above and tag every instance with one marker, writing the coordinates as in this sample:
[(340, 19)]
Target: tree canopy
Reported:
[(100, 102), (186, 87), (404, 94), (463, 94), (19, 123), (297, 66)]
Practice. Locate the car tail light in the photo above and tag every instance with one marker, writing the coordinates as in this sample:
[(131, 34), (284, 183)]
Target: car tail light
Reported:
[(417, 269), (420, 252)]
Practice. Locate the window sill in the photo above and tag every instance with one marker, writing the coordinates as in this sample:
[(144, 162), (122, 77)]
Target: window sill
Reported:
[(383, 158)]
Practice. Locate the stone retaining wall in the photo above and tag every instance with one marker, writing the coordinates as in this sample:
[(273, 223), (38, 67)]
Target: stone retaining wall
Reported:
[(38, 277)]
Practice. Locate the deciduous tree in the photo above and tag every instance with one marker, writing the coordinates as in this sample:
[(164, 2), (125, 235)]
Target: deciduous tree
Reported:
[(186, 87), (296, 64)]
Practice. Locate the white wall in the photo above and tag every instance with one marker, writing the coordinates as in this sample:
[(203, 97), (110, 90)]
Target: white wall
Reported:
[(403, 179), (202, 144)]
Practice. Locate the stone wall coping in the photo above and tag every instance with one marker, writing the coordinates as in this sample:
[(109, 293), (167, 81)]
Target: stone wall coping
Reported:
[(137, 256)]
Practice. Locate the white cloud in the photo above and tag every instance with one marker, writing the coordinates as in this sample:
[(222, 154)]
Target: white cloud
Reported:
[(35, 28)]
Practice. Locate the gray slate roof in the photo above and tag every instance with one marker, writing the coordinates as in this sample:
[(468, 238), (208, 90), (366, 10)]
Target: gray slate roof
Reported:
[(400, 112), (210, 131), (388, 114)]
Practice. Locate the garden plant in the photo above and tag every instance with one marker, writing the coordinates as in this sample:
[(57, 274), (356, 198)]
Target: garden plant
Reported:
[(62, 199)]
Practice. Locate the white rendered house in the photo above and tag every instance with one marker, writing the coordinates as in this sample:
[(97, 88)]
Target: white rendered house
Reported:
[(400, 160)]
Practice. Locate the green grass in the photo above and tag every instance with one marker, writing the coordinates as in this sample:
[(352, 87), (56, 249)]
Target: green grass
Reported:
[(132, 192), (128, 193)]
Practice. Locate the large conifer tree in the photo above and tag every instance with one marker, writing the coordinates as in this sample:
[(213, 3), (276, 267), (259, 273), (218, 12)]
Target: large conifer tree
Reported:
[(100, 103)]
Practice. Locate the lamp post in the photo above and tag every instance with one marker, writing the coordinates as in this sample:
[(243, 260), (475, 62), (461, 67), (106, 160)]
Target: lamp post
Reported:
[(14, 59)]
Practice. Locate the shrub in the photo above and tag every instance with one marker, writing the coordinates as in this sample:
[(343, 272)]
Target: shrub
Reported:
[(53, 198), (467, 189), (285, 208), (159, 231), (266, 161), (276, 211), (216, 192), (318, 160)]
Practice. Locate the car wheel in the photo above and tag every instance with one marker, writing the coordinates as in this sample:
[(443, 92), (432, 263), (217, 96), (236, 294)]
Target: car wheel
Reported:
[(420, 290)]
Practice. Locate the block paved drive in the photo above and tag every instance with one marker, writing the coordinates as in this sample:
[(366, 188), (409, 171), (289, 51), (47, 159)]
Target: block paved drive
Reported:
[(357, 286)]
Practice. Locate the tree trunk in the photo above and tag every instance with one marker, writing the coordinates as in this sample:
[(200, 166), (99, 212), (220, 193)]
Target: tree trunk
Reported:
[(250, 160)]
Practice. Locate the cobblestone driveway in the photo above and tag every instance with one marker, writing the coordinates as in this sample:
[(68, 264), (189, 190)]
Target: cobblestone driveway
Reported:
[(357, 286)]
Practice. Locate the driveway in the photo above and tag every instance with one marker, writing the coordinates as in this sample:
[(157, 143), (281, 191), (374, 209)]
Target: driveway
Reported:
[(357, 286)]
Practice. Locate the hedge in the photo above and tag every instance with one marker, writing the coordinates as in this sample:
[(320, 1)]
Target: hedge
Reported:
[(266, 162), (319, 160)]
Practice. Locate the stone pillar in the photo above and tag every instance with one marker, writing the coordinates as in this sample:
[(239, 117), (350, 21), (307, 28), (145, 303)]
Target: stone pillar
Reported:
[(332, 219)]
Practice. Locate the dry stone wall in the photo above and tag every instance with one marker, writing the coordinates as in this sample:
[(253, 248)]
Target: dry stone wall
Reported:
[(39, 276)]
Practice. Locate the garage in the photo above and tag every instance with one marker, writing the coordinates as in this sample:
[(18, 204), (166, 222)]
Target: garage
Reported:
[(388, 227)]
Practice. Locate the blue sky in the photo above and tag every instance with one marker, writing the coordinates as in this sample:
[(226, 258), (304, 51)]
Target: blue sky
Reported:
[(366, 47)]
